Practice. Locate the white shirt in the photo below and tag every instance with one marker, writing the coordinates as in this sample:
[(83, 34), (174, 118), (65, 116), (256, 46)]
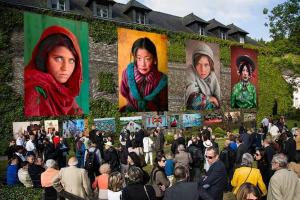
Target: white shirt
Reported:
[(114, 195), (20, 141), (30, 146), (147, 143), (274, 130)]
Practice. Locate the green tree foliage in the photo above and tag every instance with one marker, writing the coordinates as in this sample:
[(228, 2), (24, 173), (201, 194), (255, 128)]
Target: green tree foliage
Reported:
[(106, 82), (284, 23), (271, 86)]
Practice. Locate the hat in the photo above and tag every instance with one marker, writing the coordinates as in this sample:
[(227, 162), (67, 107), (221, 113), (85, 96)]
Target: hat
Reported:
[(204, 49), (207, 143), (245, 59), (108, 143)]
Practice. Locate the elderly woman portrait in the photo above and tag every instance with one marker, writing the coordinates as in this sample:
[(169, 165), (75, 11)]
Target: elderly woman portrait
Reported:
[(247, 174), (202, 86), (243, 94)]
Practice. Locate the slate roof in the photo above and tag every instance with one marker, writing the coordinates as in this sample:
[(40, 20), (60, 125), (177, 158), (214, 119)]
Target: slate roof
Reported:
[(135, 4), (190, 18), (89, 2), (156, 19), (214, 24), (234, 29)]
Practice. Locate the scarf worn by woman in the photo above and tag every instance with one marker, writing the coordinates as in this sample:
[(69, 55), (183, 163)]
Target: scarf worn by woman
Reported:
[(142, 91), (44, 96)]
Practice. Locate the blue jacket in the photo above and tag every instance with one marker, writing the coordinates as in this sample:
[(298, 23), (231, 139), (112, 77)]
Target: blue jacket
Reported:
[(12, 175), (169, 168)]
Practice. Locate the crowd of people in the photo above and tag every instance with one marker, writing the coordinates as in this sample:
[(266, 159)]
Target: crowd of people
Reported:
[(261, 164)]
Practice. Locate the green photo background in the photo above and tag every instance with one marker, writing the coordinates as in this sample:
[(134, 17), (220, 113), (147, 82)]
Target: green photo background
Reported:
[(35, 24)]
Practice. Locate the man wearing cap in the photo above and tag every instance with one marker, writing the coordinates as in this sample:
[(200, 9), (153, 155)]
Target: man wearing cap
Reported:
[(73, 180), (202, 89), (244, 93)]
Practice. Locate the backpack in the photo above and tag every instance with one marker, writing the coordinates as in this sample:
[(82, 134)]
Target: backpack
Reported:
[(196, 154), (91, 160)]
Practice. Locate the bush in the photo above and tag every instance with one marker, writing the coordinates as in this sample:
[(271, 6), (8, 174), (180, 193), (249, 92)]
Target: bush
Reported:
[(20, 192), (219, 132), (169, 138)]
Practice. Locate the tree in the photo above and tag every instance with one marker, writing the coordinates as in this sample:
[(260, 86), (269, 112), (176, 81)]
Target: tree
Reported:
[(284, 21)]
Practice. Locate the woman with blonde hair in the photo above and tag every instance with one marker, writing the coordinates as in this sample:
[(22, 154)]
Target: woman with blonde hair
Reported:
[(115, 186), (101, 182)]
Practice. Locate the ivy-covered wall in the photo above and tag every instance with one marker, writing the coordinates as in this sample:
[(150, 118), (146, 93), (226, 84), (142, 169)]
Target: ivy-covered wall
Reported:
[(271, 84)]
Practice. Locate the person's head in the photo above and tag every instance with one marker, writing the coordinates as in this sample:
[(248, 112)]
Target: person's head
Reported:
[(57, 56), (50, 163), (245, 67), (145, 55), (108, 145), (239, 140), (279, 161), (135, 175), (24, 165), (134, 159), (104, 168), (247, 160), (248, 191), (226, 143), (180, 173), (39, 161), (13, 160), (203, 61), (160, 161), (115, 181), (180, 148), (211, 155), (213, 137), (259, 154), (72, 161), (30, 159)]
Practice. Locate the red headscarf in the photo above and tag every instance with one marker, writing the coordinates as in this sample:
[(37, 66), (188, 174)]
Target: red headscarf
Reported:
[(44, 96)]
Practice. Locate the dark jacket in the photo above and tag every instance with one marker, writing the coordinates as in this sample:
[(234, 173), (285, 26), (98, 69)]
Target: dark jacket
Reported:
[(112, 158), (215, 180), (137, 192), (186, 191), (289, 149), (35, 172), (242, 148)]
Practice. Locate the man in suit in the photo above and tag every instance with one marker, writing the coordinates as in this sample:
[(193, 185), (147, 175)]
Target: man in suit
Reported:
[(73, 180), (242, 148), (284, 184), (185, 190), (215, 180)]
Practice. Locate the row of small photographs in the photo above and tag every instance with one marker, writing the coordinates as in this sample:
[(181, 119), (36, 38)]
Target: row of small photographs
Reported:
[(54, 88), (76, 126)]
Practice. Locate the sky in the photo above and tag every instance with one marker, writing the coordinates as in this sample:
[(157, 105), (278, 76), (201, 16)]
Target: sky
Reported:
[(246, 14)]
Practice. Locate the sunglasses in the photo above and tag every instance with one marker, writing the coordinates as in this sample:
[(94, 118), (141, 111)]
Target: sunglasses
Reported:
[(257, 154), (163, 160), (209, 157)]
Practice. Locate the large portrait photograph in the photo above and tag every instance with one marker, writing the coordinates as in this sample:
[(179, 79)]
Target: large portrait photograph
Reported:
[(142, 69), (202, 90), (244, 78), (56, 66)]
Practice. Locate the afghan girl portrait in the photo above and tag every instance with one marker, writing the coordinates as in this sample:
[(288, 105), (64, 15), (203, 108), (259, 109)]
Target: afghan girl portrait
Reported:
[(202, 85), (243, 94), (143, 86), (53, 75)]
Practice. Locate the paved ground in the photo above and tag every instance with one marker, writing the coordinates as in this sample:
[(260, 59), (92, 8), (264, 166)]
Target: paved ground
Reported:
[(3, 158)]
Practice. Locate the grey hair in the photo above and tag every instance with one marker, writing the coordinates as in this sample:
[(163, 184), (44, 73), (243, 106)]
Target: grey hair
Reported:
[(281, 159), (247, 160), (50, 163), (180, 147)]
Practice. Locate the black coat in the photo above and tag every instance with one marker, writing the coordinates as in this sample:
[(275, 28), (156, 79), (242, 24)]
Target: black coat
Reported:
[(137, 192), (289, 149), (111, 157), (186, 191), (242, 148), (215, 180)]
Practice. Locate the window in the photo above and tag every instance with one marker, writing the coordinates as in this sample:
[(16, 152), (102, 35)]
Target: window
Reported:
[(58, 4), (242, 39), (140, 18), (223, 35), (102, 11), (201, 30)]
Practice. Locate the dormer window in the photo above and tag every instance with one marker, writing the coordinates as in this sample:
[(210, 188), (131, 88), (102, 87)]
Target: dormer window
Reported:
[(201, 30), (140, 18), (223, 35), (58, 4), (102, 11), (242, 39)]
